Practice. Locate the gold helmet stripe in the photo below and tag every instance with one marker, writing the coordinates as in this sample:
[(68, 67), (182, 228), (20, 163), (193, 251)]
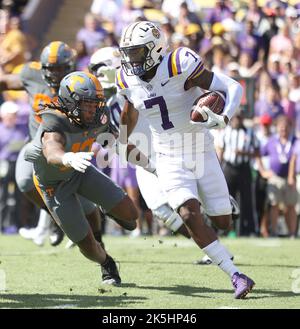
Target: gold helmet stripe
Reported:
[(54, 46)]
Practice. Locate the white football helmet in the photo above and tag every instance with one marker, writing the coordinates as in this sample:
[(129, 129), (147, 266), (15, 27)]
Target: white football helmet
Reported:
[(103, 64), (142, 46)]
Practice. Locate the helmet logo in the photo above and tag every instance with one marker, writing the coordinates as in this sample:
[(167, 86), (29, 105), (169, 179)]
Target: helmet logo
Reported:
[(74, 79), (156, 33)]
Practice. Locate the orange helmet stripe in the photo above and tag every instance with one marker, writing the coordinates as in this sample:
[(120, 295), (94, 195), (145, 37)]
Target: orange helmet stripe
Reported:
[(97, 84)]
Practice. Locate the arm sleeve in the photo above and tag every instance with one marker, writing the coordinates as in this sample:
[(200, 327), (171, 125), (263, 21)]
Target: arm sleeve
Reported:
[(233, 92)]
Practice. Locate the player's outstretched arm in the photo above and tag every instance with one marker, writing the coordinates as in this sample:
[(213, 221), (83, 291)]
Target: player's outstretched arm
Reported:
[(10, 82), (53, 147), (54, 152)]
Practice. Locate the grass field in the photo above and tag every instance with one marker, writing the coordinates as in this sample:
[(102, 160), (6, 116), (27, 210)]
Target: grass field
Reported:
[(156, 272)]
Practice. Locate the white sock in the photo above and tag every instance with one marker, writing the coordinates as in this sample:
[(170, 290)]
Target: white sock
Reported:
[(220, 256)]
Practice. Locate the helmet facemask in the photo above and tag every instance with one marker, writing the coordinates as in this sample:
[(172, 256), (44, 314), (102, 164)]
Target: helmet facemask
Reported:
[(87, 112), (54, 73), (137, 60)]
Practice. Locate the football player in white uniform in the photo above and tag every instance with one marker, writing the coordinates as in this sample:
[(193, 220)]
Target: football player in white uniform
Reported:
[(104, 64), (162, 87)]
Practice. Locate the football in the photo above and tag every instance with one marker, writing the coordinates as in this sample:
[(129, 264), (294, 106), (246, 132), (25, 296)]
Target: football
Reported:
[(214, 100)]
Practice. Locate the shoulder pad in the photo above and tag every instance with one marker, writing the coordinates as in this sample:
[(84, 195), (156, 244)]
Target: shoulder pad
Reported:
[(30, 71), (35, 65), (54, 120), (184, 61)]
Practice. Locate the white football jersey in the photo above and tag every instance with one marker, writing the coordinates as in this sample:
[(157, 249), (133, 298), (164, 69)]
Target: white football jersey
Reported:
[(166, 104)]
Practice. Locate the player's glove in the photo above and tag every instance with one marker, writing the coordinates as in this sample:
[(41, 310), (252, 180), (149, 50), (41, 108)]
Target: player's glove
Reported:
[(79, 161), (214, 121)]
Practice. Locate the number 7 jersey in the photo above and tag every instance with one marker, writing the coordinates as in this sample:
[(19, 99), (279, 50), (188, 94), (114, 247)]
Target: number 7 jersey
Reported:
[(166, 104)]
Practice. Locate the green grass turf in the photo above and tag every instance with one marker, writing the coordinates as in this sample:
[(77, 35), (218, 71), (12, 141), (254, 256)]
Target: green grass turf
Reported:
[(156, 272)]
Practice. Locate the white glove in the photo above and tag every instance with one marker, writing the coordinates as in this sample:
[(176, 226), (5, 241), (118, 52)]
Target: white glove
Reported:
[(79, 161), (214, 121)]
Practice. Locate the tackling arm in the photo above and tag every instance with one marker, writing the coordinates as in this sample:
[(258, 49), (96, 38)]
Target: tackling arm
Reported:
[(54, 152), (53, 147)]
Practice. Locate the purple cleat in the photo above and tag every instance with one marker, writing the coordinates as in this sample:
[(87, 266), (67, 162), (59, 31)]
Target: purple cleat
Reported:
[(242, 285)]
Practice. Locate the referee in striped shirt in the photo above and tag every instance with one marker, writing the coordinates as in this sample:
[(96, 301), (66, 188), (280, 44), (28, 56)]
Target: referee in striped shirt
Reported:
[(237, 146)]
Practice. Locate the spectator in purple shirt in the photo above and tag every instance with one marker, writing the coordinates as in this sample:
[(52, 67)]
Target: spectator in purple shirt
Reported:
[(11, 141), (250, 42), (91, 34), (219, 12), (269, 103), (82, 58), (279, 149)]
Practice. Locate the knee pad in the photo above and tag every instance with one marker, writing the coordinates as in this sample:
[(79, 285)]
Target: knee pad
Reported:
[(171, 218)]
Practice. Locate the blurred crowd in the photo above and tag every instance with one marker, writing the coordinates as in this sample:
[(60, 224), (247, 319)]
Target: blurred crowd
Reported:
[(255, 42)]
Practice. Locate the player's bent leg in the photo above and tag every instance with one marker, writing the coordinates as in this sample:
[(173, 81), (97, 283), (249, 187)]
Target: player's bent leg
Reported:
[(95, 220), (93, 250), (171, 219), (125, 213), (100, 189), (192, 217), (206, 239), (56, 235), (222, 222), (23, 173)]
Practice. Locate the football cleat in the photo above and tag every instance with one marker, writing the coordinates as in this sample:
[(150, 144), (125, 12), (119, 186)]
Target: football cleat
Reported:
[(110, 273), (70, 244), (56, 234), (242, 285), (205, 260), (27, 233)]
